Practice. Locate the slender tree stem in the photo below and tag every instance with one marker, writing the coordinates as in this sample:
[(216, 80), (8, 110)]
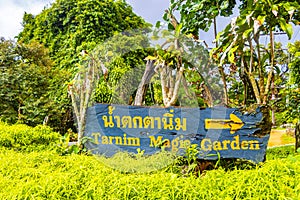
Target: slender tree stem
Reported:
[(270, 75)]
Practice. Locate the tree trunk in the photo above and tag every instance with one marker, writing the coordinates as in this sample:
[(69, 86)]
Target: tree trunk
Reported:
[(273, 117), (270, 75), (251, 75), (273, 107), (221, 69), (80, 92), (255, 88), (297, 136), (208, 97), (141, 91), (215, 30), (260, 68), (172, 99), (223, 76)]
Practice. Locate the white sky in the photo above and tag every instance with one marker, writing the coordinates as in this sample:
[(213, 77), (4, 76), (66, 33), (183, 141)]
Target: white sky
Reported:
[(11, 14)]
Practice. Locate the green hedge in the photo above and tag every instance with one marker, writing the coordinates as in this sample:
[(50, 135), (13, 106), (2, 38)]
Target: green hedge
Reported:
[(23, 137), (280, 152), (46, 175)]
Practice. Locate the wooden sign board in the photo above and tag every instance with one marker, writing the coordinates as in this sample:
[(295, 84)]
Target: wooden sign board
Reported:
[(217, 131)]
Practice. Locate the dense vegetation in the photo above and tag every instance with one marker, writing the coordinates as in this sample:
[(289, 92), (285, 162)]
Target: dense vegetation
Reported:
[(30, 172), (70, 37), (68, 27), (36, 70), (21, 137), (251, 72), (49, 176), (29, 85)]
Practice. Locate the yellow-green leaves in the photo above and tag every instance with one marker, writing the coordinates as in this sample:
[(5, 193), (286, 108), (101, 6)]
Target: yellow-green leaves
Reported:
[(231, 54), (151, 58), (275, 10), (46, 175), (25, 138), (247, 33), (286, 27)]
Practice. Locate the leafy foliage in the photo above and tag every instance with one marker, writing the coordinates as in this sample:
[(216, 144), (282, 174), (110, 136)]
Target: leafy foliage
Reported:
[(291, 93), (280, 152), (294, 50), (235, 49), (197, 15), (25, 81), (31, 89), (241, 49), (25, 138), (184, 70), (67, 28), (70, 26), (123, 55), (47, 175)]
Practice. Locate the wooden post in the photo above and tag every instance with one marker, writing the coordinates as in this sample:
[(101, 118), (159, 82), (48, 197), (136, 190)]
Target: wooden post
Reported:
[(297, 136)]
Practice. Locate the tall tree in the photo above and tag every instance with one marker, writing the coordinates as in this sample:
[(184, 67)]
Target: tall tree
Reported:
[(25, 82), (177, 61), (256, 17), (69, 26), (66, 28), (290, 106), (200, 15)]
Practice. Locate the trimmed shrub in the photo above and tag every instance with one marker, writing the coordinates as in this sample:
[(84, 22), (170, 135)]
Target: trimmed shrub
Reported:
[(46, 175), (23, 137)]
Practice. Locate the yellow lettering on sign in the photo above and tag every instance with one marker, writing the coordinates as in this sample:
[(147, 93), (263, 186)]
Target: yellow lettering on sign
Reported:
[(217, 146), (175, 144), (104, 139), (132, 141), (185, 143), (166, 143), (96, 137), (225, 143), (154, 142), (235, 144), (254, 145), (118, 140), (208, 145), (111, 138), (244, 145)]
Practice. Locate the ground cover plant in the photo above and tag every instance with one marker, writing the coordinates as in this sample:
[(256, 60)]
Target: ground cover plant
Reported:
[(46, 174), (23, 137), (71, 38)]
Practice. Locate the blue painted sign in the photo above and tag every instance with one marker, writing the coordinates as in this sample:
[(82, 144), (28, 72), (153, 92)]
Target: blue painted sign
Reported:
[(217, 131)]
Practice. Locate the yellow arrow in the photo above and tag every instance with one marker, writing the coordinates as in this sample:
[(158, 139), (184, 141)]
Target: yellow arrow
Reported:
[(234, 123)]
